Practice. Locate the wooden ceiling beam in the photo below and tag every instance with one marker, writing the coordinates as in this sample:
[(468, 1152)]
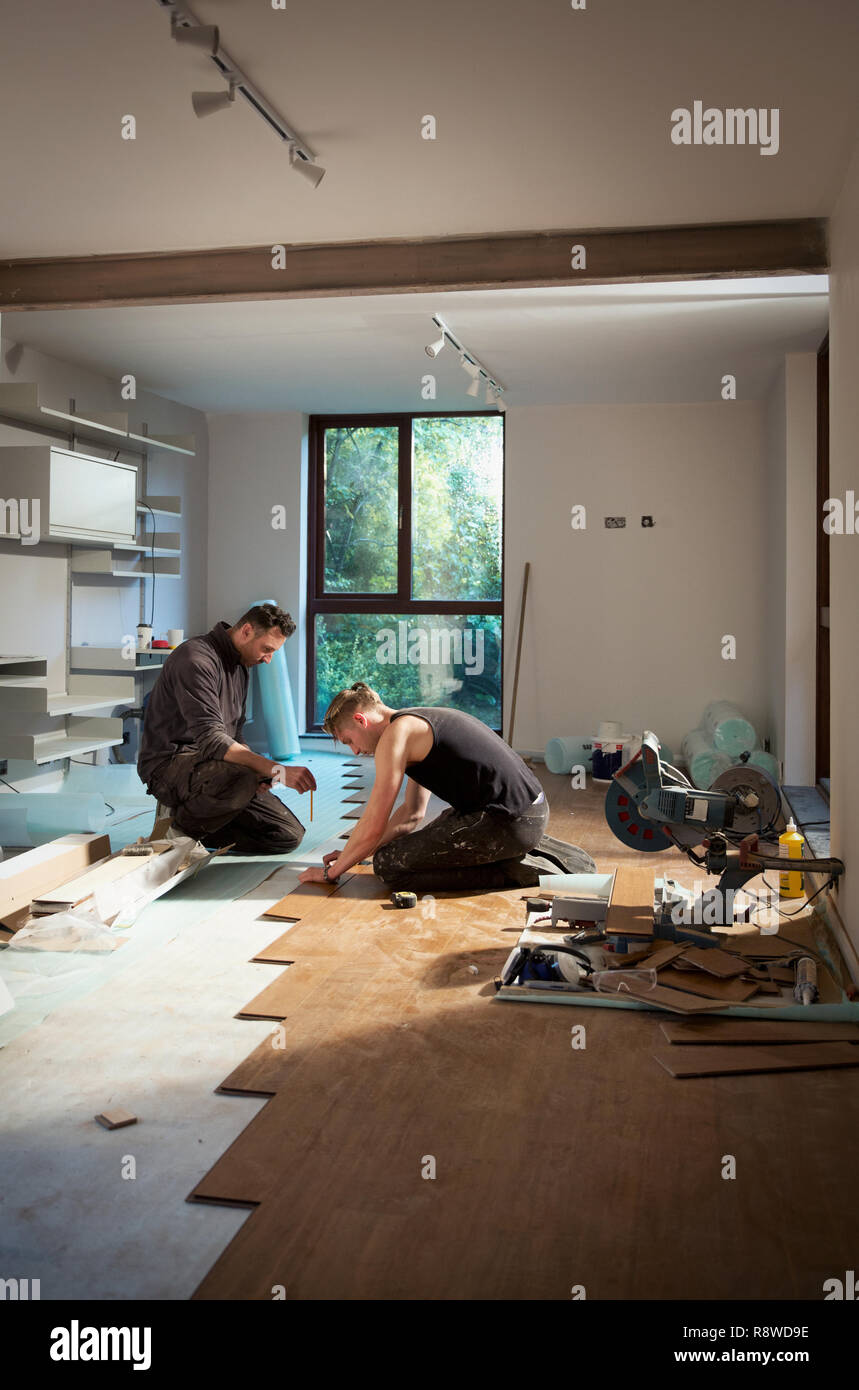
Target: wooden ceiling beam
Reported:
[(511, 261)]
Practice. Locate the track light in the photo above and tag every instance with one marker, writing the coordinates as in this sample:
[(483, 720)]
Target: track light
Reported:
[(469, 366), (474, 387), (314, 172), (198, 35), (435, 348), (491, 395), (205, 103)]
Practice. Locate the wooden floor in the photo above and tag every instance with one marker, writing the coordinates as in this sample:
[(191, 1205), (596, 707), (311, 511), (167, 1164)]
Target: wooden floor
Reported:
[(425, 1140)]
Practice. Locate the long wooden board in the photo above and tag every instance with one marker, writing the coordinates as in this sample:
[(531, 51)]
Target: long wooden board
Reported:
[(756, 1030), (732, 1061), (630, 911), (708, 986)]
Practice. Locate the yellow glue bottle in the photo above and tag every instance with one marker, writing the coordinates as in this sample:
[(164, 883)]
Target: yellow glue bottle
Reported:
[(790, 847)]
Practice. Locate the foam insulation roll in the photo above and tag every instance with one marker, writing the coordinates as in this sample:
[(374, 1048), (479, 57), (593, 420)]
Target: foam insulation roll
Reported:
[(704, 762), (728, 730)]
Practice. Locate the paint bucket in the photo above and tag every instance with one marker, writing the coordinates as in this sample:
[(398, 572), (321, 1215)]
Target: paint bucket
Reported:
[(608, 759), (608, 750)]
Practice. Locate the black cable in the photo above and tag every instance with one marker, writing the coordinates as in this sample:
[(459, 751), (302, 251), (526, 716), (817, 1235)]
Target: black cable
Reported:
[(9, 785), (756, 898)]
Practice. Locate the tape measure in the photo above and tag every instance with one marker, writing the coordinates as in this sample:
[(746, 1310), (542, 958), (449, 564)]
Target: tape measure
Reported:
[(404, 899)]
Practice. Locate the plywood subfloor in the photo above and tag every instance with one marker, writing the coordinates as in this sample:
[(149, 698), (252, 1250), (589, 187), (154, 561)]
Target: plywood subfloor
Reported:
[(425, 1140)]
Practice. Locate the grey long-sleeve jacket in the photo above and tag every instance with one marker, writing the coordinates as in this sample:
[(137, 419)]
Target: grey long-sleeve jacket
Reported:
[(197, 703)]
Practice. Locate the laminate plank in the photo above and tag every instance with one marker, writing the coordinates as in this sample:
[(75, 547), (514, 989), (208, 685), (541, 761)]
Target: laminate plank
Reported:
[(730, 1061), (756, 1030)]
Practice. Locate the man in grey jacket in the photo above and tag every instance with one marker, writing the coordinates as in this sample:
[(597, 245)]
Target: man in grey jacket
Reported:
[(191, 757)]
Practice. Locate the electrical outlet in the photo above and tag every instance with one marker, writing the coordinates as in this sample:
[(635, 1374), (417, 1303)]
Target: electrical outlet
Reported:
[(615, 523), (647, 521)]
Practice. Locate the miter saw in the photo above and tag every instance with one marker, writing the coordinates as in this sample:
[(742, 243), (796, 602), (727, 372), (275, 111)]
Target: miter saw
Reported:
[(651, 807)]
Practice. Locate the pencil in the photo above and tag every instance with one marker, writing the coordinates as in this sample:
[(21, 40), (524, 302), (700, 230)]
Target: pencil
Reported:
[(311, 803)]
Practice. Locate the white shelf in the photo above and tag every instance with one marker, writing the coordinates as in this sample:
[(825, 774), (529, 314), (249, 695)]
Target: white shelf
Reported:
[(86, 562), (78, 735), (24, 665), (63, 747), (170, 443), (85, 693), (22, 401), (161, 506), (110, 659)]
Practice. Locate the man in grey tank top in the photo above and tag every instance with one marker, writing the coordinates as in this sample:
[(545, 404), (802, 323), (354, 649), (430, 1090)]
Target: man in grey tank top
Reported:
[(492, 835)]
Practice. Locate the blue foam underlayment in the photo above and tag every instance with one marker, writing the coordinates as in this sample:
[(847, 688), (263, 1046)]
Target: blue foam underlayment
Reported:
[(42, 981)]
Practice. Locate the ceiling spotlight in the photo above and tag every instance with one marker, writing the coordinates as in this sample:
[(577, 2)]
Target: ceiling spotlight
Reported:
[(469, 366), (204, 103), (198, 35), (491, 394), (500, 404), (314, 172), (435, 348), (474, 387)]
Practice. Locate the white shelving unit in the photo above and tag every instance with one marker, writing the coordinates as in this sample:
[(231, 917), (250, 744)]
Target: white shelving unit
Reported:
[(25, 402), (38, 724)]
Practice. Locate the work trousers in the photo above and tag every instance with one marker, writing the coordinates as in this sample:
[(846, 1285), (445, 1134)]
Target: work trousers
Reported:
[(476, 849), (220, 803)]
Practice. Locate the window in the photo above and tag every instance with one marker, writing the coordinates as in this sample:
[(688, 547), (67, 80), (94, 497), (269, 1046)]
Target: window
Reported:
[(405, 572)]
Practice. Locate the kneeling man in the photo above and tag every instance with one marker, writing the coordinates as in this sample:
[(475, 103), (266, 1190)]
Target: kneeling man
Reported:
[(215, 787), (497, 809)]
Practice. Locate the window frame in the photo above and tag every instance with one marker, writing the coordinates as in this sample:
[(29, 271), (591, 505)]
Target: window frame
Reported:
[(320, 602)]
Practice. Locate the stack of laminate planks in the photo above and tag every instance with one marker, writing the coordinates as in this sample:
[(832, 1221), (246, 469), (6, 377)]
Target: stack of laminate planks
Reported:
[(730, 1047)]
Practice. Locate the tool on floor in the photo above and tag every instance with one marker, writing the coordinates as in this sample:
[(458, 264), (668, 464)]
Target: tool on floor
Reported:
[(117, 1118), (404, 899), (138, 848), (651, 806), (551, 962), (805, 990)]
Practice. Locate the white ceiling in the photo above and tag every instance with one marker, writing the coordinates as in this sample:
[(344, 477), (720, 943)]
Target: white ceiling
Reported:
[(548, 118), (611, 343)]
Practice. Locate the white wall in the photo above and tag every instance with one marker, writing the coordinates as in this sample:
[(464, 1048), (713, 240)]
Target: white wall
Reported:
[(791, 565), (34, 579), (844, 550), (628, 624), (258, 462)]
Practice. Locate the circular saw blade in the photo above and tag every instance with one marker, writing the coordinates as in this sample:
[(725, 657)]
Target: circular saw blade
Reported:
[(623, 817), (747, 785)]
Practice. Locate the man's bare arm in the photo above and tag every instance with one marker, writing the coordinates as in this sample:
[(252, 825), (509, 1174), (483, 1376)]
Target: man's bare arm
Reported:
[(409, 816), (391, 759)]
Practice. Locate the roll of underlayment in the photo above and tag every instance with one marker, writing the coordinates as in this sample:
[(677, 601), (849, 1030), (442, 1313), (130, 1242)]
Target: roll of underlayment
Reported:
[(278, 709), (759, 757), (563, 754), (703, 760), (728, 729)]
